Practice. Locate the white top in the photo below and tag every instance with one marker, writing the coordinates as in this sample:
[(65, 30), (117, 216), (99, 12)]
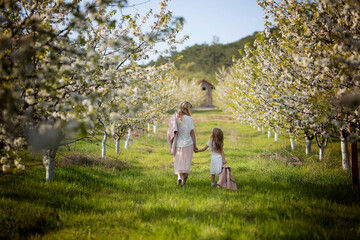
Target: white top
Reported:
[(215, 160), (184, 139), (213, 154)]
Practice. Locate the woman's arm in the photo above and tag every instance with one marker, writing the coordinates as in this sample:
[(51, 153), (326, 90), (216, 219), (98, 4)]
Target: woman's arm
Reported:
[(192, 134), (223, 157)]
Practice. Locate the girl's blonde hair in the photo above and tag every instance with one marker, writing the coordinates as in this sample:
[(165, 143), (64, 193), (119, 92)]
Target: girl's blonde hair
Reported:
[(184, 109), (217, 140)]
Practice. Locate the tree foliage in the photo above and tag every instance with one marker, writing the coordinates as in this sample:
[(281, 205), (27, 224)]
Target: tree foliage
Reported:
[(202, 60)]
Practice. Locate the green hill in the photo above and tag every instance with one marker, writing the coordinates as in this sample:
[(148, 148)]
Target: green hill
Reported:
[(202, 61)]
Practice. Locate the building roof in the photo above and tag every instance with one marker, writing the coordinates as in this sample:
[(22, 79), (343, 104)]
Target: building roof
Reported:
[(204, 80)]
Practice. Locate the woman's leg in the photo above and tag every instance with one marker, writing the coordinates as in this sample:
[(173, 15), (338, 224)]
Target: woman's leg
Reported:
[(183, 178), (212, 180), (179, 179)]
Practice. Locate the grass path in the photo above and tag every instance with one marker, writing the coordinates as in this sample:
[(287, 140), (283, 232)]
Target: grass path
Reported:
[(134, 195)]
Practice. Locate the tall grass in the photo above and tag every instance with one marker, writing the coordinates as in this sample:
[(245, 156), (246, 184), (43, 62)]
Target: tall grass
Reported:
[(281, 194)]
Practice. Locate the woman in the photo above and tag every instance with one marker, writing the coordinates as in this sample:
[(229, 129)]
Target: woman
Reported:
[(181, 130)]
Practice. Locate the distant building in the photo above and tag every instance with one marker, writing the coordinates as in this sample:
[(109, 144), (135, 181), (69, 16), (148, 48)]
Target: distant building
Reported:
[(208, 87)]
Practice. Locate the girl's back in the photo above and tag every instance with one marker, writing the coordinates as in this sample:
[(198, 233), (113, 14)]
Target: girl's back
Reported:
[(211, 148)]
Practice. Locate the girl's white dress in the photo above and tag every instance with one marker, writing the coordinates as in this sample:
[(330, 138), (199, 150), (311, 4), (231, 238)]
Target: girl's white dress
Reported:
[(215, 160)]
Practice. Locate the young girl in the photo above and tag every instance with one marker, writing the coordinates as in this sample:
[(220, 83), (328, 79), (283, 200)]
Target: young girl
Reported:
[(215, 145)]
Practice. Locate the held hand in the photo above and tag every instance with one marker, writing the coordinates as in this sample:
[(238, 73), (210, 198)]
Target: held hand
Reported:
[(196, 150)]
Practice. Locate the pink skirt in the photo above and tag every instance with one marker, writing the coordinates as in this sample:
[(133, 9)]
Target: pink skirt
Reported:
[(183, 159)]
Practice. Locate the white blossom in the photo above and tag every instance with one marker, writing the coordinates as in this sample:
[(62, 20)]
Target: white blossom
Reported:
[(6, 167)]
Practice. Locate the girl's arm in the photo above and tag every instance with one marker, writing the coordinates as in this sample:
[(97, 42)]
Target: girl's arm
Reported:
[(223, 157), (202, 149)]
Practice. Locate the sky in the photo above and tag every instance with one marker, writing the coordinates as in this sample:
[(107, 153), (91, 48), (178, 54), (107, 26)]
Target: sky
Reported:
[(229, 20)]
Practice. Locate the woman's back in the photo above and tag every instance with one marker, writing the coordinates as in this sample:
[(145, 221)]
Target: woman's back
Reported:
[(184, 128)]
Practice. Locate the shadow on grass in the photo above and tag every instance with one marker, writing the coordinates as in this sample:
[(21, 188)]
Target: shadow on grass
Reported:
[(282, 184), (261, 203), (300, 187), (309, 209), (30, 206)]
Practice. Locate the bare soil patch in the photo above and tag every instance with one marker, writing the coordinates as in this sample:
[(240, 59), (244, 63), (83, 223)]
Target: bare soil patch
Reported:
[(288, 160), (217, 117), (83, 160)]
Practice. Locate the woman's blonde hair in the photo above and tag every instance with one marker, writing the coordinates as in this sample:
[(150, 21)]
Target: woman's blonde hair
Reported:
[(184, 109), (217, 140)]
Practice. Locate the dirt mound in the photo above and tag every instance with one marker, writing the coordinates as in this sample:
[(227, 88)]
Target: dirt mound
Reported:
[(83, 160), (288, 160), (217, 117)]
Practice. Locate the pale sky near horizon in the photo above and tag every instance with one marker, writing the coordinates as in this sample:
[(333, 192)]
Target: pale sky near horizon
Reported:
[(230, 20)]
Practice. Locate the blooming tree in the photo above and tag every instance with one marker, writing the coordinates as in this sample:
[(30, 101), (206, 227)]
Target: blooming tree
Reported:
[(190, 91), (323, 37), (302, 75), (60, 61)]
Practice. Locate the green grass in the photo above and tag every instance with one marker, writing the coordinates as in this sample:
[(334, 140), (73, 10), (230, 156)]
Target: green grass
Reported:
[(134, 195)]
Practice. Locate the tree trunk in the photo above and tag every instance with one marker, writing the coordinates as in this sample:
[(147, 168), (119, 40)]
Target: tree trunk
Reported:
[(117, 145), (259, 129), (292, 143), (49, 163), (103, 143), (155, 128), (308, 145), (128, 139), (276, 136), (322, 145), (308, 139), (49, 155), (148, 127), (269, 133), (345, 154), (321, 153), (262, 128)]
